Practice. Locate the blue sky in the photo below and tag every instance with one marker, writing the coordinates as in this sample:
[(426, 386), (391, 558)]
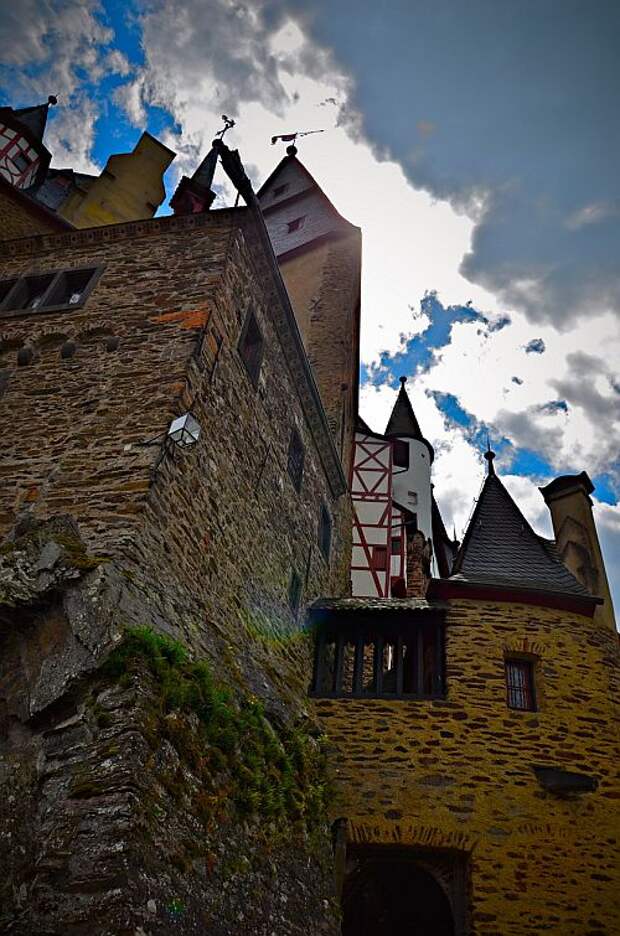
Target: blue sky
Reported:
[(479, 155)]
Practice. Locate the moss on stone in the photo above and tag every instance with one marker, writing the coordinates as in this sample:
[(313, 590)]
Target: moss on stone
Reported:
[(268, 772)]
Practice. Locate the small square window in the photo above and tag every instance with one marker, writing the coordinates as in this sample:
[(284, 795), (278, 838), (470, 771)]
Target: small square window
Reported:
[(294, 592), (280, 190), (520, 685), (296, 455), (401, 453), (325, 533), (251, 347), (296, 224), (395, 545)]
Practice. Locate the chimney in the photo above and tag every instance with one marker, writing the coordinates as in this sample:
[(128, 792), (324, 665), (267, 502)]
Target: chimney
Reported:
[(568, 500), (419, 551)]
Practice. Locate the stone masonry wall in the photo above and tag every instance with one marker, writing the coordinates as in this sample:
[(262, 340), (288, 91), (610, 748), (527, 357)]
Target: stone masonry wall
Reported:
[(324, 284), (456, 773), (199, 544), (20, 219)]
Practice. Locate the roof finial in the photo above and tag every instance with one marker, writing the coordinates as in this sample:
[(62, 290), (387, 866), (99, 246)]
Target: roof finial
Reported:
[(489, 455), (403, 381), (52, 99), (229, 123)]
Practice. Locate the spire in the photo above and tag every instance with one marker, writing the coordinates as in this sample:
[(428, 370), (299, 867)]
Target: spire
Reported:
[(34, 119), (490, 455), (403, 422), (193, 196), (501, 548)]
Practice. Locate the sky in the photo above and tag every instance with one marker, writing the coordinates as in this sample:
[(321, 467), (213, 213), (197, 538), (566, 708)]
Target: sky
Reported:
[(476, 144)]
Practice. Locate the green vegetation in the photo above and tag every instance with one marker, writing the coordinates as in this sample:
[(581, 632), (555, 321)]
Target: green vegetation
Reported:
[(264, 771)]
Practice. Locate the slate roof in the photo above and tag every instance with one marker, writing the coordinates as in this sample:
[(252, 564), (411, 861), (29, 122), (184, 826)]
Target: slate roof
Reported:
[(377, 604), (34, 119), (501, 548), (403, 422)]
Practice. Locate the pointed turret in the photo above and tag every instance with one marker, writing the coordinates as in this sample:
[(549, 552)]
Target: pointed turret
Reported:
[(23, 157), (501, 548), (403, 423), (193, 196)]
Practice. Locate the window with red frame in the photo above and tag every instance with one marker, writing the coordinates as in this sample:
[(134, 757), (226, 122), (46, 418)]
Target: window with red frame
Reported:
[(379, 558), (520, 685)]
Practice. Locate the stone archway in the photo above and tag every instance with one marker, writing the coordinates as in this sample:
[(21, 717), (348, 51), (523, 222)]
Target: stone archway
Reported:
[(389, 892)]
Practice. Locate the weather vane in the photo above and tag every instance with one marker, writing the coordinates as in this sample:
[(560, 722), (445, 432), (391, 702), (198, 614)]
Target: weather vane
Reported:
[(229, 123), (291, 137)]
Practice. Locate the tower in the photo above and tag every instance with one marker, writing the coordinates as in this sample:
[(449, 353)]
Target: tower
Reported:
[(24, 159), (319, 254)]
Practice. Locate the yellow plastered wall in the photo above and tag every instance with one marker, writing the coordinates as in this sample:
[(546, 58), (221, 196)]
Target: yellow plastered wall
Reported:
[(130, 188), (457, 773)]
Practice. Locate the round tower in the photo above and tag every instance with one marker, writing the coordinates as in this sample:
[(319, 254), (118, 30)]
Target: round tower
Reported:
[(23, 157), (412, 459)]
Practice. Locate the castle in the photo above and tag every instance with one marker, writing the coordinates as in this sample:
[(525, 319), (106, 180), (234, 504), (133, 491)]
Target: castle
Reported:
[(249, 685)]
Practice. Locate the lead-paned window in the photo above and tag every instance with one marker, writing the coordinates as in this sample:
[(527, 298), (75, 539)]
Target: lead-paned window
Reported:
[(520, 685)]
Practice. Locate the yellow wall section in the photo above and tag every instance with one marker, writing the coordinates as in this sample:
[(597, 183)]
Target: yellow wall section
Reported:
[(130, 188), (457, 773)]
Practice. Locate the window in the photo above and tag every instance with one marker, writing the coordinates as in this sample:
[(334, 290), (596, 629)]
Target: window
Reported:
[(325, 533), (379, 558), (280, 190), (296, 224), (296, 456), (48, 292), (380, 659), (251, 347), (412, 497), (520, 685), (400, 453), (294, 592), (395, 545)]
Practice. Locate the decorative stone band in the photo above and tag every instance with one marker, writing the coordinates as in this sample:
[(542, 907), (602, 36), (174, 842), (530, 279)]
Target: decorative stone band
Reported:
[(456, 587)]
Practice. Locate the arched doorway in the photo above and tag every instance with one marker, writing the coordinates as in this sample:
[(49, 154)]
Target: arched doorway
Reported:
[(387, 896)]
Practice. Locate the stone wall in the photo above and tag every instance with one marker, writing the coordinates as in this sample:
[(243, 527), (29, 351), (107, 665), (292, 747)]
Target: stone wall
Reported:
[(324, 284), (198, 543), (20, 217), (455, 775)]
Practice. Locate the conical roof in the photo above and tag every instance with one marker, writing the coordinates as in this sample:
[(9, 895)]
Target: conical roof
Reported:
[(34, 119), (501, 548), (403, 422)]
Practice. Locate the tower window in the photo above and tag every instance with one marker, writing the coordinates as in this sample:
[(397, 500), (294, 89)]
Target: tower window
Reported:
[(401, 453), (48, 292), (520, 685), (395, 545), (294, 592), (296, 224), (280, 190), (251, 347), (296, 457), (379, 558), (325, 533)]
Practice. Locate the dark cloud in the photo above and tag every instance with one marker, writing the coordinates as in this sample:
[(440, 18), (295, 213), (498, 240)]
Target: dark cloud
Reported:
[(517, 380), (510, 112), (554, 406), (535, 346)]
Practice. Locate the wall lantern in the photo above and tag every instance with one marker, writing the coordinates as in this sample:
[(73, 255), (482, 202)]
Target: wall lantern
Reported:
[(183, 431)]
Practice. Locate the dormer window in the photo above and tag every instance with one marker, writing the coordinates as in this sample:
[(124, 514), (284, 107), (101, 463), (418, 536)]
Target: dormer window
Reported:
[(280, 190), (296, 224)]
